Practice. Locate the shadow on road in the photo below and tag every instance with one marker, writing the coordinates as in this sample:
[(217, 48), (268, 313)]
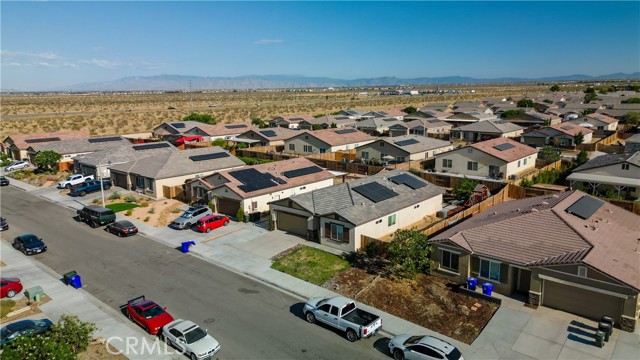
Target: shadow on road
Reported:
[(296, 309), (382, 345)]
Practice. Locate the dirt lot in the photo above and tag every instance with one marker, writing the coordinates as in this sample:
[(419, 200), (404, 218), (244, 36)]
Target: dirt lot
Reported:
[(428, 301)]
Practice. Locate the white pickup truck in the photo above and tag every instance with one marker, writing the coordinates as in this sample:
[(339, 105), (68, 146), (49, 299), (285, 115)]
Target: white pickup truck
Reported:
[(341, 313), (74, 179)]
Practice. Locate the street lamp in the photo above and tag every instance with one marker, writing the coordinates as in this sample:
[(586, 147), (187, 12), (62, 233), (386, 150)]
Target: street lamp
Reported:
[(101, 172)]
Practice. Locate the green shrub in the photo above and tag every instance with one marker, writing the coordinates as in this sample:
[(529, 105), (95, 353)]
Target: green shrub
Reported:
[(116, 195), (147, 219), (129, 212), (176, 210), (130, 198), (240, 214), (526, 182), (96, 201), (152, 210), (144, 204)]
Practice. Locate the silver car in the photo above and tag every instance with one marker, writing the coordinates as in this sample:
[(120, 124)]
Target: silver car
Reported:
[(190, 216), (17, 166), (190, 339), (422, 347)]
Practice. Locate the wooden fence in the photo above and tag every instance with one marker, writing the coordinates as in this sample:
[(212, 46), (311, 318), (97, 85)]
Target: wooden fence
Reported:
[(600, 144), (553, 166), (629, 205), (175, 192)]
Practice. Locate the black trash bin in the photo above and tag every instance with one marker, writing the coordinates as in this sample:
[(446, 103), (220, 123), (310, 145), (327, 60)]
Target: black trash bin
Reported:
[(606, 329), (608, 320)]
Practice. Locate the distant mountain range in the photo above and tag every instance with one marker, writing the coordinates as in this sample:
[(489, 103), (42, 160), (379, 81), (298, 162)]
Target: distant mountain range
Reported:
[(182, 82)]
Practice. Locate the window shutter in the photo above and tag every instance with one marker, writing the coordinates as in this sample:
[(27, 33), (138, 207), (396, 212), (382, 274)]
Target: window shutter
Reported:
[(327, 229)]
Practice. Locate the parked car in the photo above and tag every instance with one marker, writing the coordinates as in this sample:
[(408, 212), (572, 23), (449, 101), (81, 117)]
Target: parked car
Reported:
[(146, 313), (171, 108), (9, 287), (190, 339), (422, 347), (17, 166), (341, 313), (122, 228), (29, 244), (89, 186), (4, 181), (23, 328), (211, 222), (75, 179), (190, 217), (4, 225), (95, 215)]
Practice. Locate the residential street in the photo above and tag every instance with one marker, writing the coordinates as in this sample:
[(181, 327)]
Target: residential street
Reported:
[(251, 320)]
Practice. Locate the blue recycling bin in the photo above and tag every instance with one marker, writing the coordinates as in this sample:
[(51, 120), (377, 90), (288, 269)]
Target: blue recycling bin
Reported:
[(75, 281), (487, 288), (472, 283), (185, 246)]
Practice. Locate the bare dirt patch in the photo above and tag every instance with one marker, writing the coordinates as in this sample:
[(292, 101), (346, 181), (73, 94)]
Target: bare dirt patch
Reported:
[(158, 213), (22, 303), (97, 350)]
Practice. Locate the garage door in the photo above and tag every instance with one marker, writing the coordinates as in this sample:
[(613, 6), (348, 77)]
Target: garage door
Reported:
[(120, 180), (581, 302), (228, 206), (292, 223)]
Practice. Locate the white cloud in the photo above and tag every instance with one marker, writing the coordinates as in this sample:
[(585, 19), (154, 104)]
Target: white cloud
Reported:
[(107, 64), (268, 41), (25, 55)]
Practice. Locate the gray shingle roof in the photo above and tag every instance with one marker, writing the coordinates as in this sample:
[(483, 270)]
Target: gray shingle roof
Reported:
[(610, 159), (121, 154), (77, 146), (357, 209), (424, 143), (490, 126)]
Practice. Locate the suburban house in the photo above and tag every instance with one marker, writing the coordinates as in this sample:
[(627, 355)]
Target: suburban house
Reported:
[(632, 144), (289, 122), (377, 125), (417, 126), (390, 113), (597, 121), (374, 206), (460, 119), (534, 118), (253, 188), (611, 173), (351, 113), (153, 175), (266, 137), (562, 134), (485, 130), (399, 149), (325, 122), (499, 158), (427, 113), (71, 148), (441, 107), (579, 255), (15, 146), (219, 131), (326, 141), (175, 128)]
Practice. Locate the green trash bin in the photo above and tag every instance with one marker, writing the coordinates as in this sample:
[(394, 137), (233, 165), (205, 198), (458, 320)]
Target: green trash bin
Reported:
[(599, 338), (67, 276)]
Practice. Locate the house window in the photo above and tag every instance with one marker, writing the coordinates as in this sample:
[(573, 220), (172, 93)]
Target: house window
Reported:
[(337, 232), (582, 271), (489, 269), (470, 150), (306, 137), (140, 182), (308, 148), (518, 163), (365, 154), (400, 159), (447, 163), (378, 221), (524, 161), (472, 165), (322, 151), (625, 166), (292, 147), (391, 220), (381, 143), (449, 260)]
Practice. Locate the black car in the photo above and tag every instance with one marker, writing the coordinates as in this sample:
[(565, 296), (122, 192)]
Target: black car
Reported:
[(22, 328), (122, 228), (4, 225), (4, 181), (29, 244)]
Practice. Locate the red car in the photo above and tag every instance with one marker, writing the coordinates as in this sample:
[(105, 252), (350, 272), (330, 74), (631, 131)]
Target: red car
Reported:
[(148, 314), (210, 222), (9, 287)]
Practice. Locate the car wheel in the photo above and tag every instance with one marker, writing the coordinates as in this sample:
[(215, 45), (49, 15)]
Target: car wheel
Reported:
[(94, 224), (208, 230), (168, 341), (11, 293), (351, 335), (119, 234), (226, 222), (187, 226), (193, 356), (68, 186), (310, 317), (129, 315), (83, 193), (146, 328), (398, 354)]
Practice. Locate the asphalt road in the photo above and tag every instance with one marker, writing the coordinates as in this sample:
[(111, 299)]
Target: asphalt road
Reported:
[(251, 320)]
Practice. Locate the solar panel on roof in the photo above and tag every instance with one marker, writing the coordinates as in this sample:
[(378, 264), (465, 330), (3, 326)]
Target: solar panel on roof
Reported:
[(268, 133), (151, 146), (585, 207), (178, 125), (342, 118), (346, 131), (245, 175), (235, 126), (375, 192), (504, 146), (33, 141), (407, 142), (203, 157), (567, 127), (297, 118), (300, 172), (105, 139), (408, 180), (433, 120)]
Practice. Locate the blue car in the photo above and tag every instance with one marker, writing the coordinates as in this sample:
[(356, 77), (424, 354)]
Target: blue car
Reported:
[(23, 328), (29, 244)]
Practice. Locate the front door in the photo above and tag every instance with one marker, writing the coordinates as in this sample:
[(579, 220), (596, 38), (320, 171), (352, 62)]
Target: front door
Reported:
[(494, 171), (524, 281)]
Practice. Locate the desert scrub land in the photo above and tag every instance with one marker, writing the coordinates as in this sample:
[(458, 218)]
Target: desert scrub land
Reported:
[(122, 113)]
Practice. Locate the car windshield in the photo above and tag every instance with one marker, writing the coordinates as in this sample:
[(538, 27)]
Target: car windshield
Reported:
[(454, 354), (194, 335), (187, 215), (30, 240), (412, 340), (152, 312)]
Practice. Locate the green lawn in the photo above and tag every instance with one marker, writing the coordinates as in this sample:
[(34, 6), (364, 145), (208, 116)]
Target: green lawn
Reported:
[(311, 265), (117, 207), (6, 306)]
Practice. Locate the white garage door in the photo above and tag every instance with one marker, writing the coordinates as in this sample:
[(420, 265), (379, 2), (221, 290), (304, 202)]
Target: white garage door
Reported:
[(586, 303)]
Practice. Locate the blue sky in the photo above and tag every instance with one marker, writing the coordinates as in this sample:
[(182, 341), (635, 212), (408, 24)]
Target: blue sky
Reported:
[(50, 44)]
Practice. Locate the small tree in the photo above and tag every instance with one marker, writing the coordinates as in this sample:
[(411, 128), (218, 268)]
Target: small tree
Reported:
[(509, 114), (319, 115), (589, 97), (272, 223), (632, 118), (588, 111), (73, 332), (240, 214), (525, 103), (549, 153), (38, 347), (410, 110), (48, 160), (316, 127), (333, 125), (555, 88), (220, 142), (582, 157), (465, 189), (633, 100), (409, 252), (258, 122), (578, 139), (203, 118)]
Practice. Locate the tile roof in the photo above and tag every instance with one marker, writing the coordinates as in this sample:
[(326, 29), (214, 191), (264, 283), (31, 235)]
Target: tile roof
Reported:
[(518, 151), (490, 126), (296, 118), (610, 159), (280, 133), (332, 136), (480, 116), (80, 145), (19, 139), (571, 129), (222, 129), (378, 123), (424, 143), (603, 118), (328, 119), (187, 125), (342, 200), (607, 240)]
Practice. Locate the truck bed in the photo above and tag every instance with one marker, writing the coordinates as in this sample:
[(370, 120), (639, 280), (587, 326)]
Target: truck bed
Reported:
[(360, 317)]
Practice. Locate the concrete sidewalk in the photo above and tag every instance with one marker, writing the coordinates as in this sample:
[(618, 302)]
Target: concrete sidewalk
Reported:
[(515, 332)]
